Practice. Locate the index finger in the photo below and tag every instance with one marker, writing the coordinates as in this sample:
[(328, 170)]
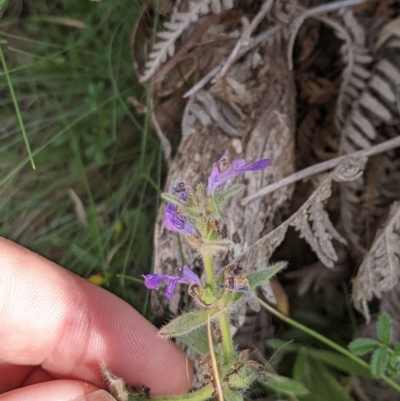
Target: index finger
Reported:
[(53, 318)]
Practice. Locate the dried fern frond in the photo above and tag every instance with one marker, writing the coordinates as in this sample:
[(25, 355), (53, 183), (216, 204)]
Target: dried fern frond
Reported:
[(357, 58), (316, 228), (375, 104), (203, 107), (380, 268), (319, 236), (179, 22)]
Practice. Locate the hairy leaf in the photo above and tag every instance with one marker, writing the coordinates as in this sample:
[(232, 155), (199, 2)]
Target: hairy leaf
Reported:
[(258, 277), (197, 340), (186, 323), (285, 385)]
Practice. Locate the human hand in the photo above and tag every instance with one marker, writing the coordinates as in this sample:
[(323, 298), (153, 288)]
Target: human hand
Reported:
[(56, 328)]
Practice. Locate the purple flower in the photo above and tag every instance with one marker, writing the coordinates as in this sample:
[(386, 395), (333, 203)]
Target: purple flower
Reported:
[(152, 281), (220, 173), (174, 221)]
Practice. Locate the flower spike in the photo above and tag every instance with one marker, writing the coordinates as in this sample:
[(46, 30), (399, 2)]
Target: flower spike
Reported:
[(219, 174), (152, 281), (174, 221)]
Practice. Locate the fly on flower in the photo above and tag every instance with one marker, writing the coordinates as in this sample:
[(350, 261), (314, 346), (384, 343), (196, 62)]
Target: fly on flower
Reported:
[(222, 172), (183, 191)]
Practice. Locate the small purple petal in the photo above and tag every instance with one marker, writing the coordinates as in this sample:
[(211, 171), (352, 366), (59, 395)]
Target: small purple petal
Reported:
[(258, 165), (189, 277), (152, 281), (174, 221), (171, 287), (236, 167)]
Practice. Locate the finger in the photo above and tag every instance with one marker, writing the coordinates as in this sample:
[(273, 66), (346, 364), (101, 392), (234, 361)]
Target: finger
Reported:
[(53, 318), (60, 390)]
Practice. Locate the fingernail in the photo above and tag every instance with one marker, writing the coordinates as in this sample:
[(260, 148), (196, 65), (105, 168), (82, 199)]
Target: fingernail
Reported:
[(98, 395)]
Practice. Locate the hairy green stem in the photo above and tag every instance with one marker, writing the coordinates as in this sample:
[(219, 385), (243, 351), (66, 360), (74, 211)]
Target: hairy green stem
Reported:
[(227, 342), (209, 268), (223, 316), (328, 342)]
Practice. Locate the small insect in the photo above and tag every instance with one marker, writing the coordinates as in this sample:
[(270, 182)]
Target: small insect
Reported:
[(183, 191)]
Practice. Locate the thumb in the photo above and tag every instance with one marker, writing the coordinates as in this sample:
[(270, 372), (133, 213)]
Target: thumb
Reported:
[(60, 390)]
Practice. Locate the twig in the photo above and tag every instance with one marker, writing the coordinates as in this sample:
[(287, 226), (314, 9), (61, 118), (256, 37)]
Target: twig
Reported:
[(245, 38), (334, 5), (165, 143), (259, 39), (307, 13), (320, 167), (214, 361)]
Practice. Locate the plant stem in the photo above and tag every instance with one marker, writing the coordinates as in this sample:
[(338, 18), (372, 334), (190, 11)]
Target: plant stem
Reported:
[(223, 320), (227, 342), (328, 342), (209, 268)]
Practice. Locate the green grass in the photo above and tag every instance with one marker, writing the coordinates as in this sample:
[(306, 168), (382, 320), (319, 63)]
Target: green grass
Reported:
[(64, 92)]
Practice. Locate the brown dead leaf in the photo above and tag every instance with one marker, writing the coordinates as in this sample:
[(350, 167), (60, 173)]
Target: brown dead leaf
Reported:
[(318, 90), (282, 300)]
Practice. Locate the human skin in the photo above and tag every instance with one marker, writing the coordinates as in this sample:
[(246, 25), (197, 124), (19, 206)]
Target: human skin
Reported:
[(56, 328)]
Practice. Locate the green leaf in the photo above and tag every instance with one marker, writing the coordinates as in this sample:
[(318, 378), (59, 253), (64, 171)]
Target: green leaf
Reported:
[(361, 346), (339, 362), (281, 384), (379, 360), (216, 206), (283, 346), (197, 340), (172, 199), (328, 386), (333, 359), (258, 277), (231, 395), (186, 323), (3, 6), (301, 368), (221, 199), (384, 329), (320, 381)]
